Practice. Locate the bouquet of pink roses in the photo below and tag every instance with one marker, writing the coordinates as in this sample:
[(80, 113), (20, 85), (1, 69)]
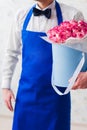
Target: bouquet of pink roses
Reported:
[(66, 30), (69, 47)]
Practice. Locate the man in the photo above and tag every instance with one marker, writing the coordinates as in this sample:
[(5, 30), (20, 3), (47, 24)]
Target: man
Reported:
[(37, 107)]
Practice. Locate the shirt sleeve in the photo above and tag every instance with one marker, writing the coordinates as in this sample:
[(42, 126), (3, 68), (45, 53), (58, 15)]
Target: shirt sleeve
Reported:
[(13, 50), (78, 16)]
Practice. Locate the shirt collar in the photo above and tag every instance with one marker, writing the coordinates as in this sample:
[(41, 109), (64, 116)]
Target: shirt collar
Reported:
[(52, 5)]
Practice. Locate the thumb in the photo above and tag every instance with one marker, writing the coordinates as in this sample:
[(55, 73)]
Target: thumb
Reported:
[(12, 97)]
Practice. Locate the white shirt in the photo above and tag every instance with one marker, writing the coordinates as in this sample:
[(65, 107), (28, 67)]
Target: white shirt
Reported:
[(36, 23)]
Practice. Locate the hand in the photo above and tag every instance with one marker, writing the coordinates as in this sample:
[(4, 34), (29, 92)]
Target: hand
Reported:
[(8, 97), (81, 81)]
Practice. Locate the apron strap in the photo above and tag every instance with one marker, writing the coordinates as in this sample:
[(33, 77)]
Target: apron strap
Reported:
[(58, 11)]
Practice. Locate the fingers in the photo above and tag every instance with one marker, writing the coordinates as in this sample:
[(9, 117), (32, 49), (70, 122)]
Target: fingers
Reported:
[(9, 105), (8, 97), (9, 101), (81, 81), (78, 84), (76, 87)]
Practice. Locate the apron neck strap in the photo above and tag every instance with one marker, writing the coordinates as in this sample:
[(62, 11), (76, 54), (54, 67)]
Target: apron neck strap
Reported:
[(58, 11)]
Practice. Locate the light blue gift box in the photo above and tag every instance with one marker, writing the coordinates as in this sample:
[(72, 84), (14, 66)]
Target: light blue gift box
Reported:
[(67, 63)]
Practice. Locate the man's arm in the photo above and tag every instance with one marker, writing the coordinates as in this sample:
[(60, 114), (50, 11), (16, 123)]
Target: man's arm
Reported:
[(10, 60)]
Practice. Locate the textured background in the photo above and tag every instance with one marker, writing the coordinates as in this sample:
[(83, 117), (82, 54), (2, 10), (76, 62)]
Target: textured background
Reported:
[(8, 8)]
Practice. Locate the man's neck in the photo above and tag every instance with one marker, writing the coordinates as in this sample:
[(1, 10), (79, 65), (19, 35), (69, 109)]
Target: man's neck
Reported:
[(43, 4)]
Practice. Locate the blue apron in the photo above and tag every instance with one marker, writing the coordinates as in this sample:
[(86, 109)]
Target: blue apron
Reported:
[(38, 107)]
